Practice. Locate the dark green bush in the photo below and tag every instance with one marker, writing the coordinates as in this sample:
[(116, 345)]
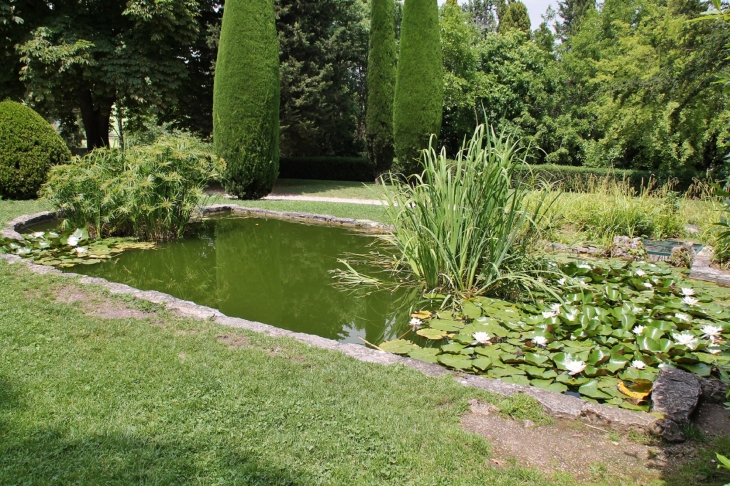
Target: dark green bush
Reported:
[(381, 85), (419, 85), (29, 146), (147, 191), (246, 98), (355, 169)]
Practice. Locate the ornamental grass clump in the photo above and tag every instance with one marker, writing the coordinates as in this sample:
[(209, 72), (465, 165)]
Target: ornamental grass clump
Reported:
[(463, 226), (147, 191)]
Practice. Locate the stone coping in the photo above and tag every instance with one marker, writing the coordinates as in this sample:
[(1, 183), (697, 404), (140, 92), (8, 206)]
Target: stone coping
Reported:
[(556, 404), (701, 269)]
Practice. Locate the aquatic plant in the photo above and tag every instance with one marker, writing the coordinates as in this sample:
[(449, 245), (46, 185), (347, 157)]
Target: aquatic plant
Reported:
[(147, 191), (606, 340), (462, 226)]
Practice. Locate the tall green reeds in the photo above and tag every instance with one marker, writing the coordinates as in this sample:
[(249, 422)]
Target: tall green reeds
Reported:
[(462, 226)]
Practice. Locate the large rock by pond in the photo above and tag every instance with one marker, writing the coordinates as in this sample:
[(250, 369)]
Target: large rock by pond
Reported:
[(628, 248), (713, 391), (676, 394)]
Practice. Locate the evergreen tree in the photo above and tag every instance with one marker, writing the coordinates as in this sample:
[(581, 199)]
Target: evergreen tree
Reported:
[(246, 98), (381, 84), (419, 87), (514, 16), (572, 11)]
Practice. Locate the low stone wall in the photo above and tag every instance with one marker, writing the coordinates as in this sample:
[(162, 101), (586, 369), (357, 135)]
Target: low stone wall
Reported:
[(701, 269), (555, 404)]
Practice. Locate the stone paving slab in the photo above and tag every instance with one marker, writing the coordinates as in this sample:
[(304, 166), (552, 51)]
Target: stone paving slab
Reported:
[(555, 404), (701, 269)]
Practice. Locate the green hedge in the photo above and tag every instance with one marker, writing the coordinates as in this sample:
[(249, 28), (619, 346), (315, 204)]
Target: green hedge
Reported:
[(29, 146), (572, 178), (326, 168), (568, 177)]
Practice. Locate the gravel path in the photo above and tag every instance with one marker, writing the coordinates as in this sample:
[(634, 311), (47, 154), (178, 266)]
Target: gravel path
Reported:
[(292, 197)]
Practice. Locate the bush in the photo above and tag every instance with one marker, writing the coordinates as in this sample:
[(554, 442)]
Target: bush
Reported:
[(246, 98), (356, 169), (147, 191), (29, 146), (419, 85)]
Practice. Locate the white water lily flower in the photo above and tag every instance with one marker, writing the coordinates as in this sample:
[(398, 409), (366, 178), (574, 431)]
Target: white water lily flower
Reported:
[(648, 285), (38, 234), (681, 317), (687, 291), (640, 272), (638, 364), (549, 314), (72, 240), (639, 330), (637, 310), (80, 250), (690, 300), (561, 281), (574, 366), (711, 332), (415, 323), (583, 265), (714, 349), (686, 339), (540, 341), (481, 338), (555, 308)]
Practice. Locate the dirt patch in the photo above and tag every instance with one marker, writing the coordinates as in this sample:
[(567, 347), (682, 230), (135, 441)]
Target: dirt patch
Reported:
[(234, 341), (97, 305), (574, 447), (712, 419)]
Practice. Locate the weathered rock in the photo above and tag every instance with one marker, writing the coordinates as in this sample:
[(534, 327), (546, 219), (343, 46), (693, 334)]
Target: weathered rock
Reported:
[(625, 247), (668, 430), (676, 394), (683, 255), (713, 391)]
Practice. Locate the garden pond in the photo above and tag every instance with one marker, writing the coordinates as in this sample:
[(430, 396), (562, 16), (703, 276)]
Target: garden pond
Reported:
[(616, 324)]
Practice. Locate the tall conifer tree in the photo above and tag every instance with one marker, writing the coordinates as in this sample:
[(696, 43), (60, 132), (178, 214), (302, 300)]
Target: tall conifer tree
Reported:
[(246, 98), (419, 87), (381, 86)]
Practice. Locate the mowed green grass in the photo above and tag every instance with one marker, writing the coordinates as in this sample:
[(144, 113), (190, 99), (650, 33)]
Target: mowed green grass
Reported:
[(341, 189), (164, 400)]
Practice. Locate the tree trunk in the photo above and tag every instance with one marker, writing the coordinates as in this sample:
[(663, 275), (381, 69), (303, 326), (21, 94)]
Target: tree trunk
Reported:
[(96, 120)]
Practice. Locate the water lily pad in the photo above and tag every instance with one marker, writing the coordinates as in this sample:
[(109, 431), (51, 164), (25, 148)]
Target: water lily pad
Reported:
[(482, 364), (470, 310), (452, 348), (446, 326), (398, 346), (590, 389), (700, 369), (549, 385), (458, 361), (516, 380), (425, 354), (429, 333), (536, 359)]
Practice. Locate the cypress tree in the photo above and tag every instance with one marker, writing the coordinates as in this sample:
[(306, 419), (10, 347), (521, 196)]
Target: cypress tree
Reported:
[(514, 17), (381, 84), (246, 98), (419, 86)]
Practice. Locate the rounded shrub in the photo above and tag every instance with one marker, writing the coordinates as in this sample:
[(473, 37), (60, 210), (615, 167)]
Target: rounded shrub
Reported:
[(419, 85), (246, 98), (29, 146)]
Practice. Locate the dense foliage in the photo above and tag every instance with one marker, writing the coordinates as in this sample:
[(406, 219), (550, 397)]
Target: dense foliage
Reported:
[(419, 87), (381, 85), (29, 146), (246, 98), (146, 191), (326, 168)]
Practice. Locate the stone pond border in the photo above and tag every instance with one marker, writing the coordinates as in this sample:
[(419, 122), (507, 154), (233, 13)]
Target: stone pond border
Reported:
[(555, 404)]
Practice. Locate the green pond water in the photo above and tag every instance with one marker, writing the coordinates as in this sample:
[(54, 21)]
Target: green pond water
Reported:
[(267, 270)]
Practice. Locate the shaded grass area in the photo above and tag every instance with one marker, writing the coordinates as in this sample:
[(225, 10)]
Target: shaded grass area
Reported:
[(167, 400)]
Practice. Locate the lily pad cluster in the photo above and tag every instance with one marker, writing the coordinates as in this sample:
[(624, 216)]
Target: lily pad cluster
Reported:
[(615, 326), (67, 249)]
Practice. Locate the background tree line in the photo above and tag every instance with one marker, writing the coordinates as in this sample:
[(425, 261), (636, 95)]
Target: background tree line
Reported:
[(625, 83)]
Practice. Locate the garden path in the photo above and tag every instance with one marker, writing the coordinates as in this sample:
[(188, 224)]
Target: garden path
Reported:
[(294, 197)]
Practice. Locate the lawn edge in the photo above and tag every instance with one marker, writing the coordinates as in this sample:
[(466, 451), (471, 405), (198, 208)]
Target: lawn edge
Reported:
[(555, 404)]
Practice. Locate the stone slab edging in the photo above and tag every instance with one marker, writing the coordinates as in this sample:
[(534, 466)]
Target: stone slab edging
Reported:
[(555, 404), (701, 269)]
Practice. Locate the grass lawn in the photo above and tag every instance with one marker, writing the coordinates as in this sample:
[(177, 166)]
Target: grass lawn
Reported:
[(89, 397), (343, 189)]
